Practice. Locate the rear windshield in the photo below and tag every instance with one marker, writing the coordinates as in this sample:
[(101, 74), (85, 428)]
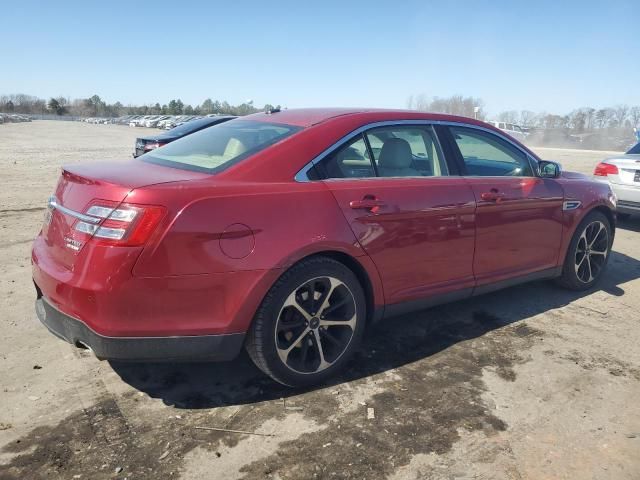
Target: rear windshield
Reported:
[(218, 147), (635, 150)]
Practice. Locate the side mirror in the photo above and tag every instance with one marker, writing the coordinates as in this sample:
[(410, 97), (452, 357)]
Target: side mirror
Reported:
[(548, 169)]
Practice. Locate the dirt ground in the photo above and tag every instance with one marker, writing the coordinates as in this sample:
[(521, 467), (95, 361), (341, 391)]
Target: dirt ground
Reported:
[(532, 382)]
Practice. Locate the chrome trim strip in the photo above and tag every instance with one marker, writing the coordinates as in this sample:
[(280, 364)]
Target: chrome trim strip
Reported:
[(571, 205), (301, 176), (54, 205)]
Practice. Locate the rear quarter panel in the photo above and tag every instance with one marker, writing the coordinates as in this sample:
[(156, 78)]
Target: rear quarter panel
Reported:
[(237, 226)]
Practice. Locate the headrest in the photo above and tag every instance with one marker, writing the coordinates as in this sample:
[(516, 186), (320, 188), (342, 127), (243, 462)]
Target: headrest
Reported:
[(395, 153)]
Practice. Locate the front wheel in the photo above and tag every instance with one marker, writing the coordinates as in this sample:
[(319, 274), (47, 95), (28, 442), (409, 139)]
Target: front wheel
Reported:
[(309, 324), (588, 253)]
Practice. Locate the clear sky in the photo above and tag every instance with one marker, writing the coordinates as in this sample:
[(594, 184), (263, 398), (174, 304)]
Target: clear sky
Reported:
[(539, 55)]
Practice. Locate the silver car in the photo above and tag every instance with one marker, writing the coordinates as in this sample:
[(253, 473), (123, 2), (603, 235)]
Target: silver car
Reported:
[(623, 174)]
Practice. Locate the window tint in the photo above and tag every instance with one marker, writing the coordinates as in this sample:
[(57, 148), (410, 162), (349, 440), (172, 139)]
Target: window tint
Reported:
[(406, 151), (487, 155), (193, 125), (635, 150), (220, 146), (349, 161)]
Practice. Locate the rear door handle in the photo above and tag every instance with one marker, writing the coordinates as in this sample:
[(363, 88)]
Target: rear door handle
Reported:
[(366, 204), (493, 196)]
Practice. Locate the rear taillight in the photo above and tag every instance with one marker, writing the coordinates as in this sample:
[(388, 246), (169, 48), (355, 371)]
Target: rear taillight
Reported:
[(124, 224), (603, 169), (153, 146)]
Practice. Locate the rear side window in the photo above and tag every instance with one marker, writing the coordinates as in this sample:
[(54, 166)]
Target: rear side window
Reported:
[(635, 150), (218, 147), (351, 160), (406, 151), (396, 151), (487, 155)]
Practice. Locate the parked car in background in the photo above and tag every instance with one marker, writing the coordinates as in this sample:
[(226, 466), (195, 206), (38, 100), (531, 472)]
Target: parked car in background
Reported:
[(514, 130), (14, 118), (146, 144), (153, 122), (288, 233), (180, 120), (163, 123), (622, 172)]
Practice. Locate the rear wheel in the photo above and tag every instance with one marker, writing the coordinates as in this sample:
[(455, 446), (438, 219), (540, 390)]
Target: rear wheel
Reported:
[(588, 253), (309, 324)]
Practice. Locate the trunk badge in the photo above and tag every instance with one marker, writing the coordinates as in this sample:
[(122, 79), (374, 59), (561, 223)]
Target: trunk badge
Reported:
[(72, 243)]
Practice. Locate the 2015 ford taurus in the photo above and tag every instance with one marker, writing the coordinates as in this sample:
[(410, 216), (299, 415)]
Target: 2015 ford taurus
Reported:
[(287, 233)]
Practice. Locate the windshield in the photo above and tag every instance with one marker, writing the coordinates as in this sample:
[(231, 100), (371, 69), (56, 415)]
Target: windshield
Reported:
[(635, 150), (218, 147)]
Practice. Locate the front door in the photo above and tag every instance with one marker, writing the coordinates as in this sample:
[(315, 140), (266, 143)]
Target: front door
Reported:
[(518, 216)]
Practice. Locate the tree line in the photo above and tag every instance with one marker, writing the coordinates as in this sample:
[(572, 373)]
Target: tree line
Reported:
[(97, 107), (579, 120)]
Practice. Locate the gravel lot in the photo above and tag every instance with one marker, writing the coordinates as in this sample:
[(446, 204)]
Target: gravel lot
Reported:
[(527, 383)]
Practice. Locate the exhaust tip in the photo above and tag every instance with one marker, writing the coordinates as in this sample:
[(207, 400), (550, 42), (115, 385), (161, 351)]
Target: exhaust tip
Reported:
[(82, 345)]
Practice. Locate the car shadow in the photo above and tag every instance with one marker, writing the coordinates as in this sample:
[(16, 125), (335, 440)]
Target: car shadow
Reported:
[(389, 344)]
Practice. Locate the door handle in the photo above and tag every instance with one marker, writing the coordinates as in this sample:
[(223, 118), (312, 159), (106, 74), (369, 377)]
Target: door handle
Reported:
[(366, 204), (492, 196)]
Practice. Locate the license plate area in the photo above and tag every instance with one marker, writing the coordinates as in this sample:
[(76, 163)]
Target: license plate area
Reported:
[(636, 177)]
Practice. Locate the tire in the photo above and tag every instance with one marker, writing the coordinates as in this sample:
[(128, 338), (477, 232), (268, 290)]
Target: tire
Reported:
[(588, 253), (291, 322)]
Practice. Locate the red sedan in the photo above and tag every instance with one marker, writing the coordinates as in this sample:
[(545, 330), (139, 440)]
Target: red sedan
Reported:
[(287, 233)]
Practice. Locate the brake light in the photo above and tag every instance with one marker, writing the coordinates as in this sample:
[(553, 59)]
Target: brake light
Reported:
[(603, 169), (124, 224), (153, 146)]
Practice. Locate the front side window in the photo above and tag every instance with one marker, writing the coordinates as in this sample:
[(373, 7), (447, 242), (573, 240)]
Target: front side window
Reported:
[(406, 151), (218, 147), (487, 155)]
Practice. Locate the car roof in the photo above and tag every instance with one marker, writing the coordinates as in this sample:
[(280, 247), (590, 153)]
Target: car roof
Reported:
[(307, 117)]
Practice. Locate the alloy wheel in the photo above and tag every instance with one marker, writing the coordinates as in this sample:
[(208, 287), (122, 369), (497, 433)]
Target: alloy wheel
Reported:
[(315, 325), (591, 252)]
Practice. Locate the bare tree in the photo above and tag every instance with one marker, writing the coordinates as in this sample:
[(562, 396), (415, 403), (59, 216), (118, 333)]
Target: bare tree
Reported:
[(454, 105), (527, 118), (510, 116), (577, 120), (619, 114), (634, 116)]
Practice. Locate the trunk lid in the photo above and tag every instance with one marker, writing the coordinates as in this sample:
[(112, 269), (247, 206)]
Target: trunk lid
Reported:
[(628, 169), (80, 185)]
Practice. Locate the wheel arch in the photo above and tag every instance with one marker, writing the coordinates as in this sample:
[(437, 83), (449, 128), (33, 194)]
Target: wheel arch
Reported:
[(361, 273), (363, 268), (607, 213)]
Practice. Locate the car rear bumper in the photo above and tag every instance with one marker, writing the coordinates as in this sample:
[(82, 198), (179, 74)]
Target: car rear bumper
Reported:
[(625, 206), (101, 291), (628, 197), (178, 348)]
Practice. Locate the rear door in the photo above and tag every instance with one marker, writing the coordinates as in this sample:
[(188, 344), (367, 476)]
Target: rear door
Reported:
[(414, 220), (519, 215)]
